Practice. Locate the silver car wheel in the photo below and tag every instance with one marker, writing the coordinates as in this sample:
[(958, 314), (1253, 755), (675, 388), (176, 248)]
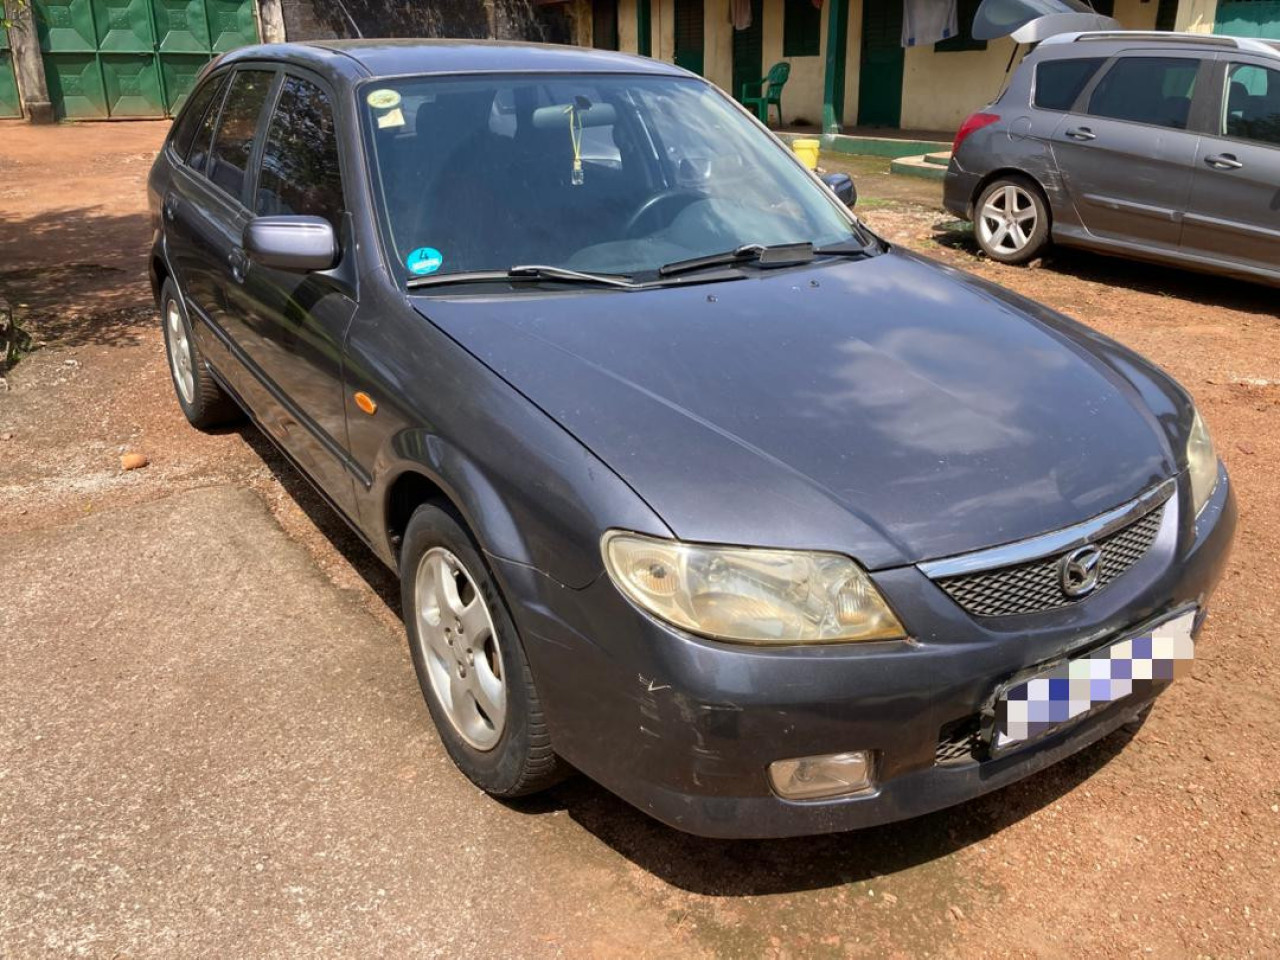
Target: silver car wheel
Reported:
[(181, 362), (459, 645), (1007, 220)]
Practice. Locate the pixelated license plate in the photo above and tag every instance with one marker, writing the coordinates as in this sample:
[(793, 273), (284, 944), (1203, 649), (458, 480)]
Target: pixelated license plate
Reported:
[(1033, 707)]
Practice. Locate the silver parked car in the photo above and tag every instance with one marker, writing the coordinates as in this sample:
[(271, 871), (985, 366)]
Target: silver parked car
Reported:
[(1160, 146)]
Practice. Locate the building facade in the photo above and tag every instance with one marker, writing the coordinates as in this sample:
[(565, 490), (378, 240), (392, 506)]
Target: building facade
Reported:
[(95, 59), (848, 65)]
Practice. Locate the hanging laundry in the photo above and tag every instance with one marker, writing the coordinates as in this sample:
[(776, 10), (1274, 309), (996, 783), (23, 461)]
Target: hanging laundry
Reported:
[(925, 22), (740, 14)]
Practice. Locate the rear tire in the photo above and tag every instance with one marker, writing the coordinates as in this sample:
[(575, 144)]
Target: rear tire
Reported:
[(470, 662), (1011, 220), (204, 403)]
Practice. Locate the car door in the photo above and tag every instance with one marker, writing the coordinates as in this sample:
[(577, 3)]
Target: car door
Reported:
[(1127, 148), (1234, 211), (293, 324), (205, 215)]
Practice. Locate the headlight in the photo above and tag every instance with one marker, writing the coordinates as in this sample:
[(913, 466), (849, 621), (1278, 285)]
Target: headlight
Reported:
[(749, 595), (1202, 464)]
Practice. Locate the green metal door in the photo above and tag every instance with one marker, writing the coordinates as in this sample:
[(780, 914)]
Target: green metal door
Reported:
[(880, 69), (1249, 18), (689, 50), (748, 51), (10, 104), (133, 58)]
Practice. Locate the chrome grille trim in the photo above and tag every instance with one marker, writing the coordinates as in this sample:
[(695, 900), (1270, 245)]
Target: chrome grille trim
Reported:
[(1051, 545), (1035, 586)]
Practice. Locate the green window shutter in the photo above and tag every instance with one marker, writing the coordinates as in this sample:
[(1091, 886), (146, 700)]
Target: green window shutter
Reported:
[(801, 29), (965, 12)]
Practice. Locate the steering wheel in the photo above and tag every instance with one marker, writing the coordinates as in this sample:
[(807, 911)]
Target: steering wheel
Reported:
[(672, 195)]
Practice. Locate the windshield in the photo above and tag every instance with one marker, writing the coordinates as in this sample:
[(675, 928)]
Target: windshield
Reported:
[(611, 174)]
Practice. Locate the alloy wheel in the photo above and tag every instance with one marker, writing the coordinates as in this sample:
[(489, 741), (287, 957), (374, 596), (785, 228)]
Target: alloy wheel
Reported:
[(1007, 220), (180, 359), (460, 648)]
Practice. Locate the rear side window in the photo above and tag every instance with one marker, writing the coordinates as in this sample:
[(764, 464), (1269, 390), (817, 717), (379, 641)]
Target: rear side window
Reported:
[(1059, 82), (233, 144), (189, 123), (1252, 107), (1154, 90), (198, 157), (300, 162)]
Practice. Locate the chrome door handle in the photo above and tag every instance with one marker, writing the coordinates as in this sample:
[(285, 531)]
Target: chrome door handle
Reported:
[(1081, 133), (1224, 161)]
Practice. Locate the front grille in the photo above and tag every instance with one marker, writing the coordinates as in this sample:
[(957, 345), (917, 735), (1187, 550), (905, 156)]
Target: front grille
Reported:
[(1034, 586)]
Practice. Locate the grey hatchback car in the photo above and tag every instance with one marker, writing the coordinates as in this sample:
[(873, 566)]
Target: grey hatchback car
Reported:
[(1160, 146)]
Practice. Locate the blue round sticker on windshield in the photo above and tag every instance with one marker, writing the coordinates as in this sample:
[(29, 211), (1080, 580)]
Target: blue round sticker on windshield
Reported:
[(424, 260)]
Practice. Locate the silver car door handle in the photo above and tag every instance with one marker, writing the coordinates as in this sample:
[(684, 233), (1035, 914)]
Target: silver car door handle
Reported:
[(170, 207), (1081, 133), (1224, 161)]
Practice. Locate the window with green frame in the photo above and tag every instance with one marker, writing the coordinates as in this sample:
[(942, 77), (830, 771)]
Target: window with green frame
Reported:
[(801, 29), (966, 10)]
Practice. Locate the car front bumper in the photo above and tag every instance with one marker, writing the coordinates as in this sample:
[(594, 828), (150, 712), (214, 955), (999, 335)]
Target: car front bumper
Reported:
[(685, 728)]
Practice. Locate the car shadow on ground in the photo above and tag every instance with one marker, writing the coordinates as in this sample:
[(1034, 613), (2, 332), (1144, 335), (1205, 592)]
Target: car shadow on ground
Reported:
[(1207, 289), (381, 580), (739, 868)]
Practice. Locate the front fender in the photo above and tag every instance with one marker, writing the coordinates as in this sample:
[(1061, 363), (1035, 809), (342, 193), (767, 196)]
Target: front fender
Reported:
[(530, 492)]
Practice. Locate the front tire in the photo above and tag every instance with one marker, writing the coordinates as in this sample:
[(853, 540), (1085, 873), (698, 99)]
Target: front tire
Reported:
[(204, 403), (470, 662), (1011, 220)]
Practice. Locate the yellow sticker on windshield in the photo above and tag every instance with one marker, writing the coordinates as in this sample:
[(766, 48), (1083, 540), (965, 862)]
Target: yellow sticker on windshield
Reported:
[(393, 119), (383, 99)]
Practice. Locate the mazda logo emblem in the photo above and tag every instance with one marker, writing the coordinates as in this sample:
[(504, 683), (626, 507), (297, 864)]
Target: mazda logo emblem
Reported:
[(1079, 570)]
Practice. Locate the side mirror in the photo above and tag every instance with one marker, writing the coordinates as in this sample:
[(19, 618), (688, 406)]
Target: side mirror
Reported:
[(300, 244), (841, 185)]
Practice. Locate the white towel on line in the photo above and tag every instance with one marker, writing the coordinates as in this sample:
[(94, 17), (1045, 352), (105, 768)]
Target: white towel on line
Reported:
[(925, 22)]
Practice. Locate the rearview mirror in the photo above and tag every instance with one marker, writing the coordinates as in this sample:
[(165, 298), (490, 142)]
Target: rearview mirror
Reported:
[(300, 244), (841, 185)]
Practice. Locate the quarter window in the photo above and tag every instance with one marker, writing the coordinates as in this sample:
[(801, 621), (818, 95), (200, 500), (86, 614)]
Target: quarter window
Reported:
[(300, 172), (1059, 82), (233, 144), (1154, 90), (198, 157), (1252, 107)]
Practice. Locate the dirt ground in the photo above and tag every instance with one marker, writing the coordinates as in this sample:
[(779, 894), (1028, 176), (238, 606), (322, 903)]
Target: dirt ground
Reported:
[(1162, 840)]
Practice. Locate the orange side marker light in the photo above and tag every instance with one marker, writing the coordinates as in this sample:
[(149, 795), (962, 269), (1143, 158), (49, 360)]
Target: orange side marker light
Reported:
[(365, 403)]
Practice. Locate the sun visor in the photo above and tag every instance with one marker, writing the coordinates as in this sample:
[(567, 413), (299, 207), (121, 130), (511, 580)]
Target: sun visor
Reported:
[(1030, 21)]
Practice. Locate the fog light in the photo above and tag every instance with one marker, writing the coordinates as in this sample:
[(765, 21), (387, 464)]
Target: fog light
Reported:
[(819, 778)]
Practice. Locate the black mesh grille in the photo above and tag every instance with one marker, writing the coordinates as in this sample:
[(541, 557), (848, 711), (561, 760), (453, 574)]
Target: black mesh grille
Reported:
[(1032, 587)]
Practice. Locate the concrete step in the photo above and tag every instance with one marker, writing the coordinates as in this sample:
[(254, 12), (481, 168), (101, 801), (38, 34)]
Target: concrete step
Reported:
[(920, 166), (941, 158)]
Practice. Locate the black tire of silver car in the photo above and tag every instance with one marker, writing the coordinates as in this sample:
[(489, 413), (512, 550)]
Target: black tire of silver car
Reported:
[(1011, 220), (204, 403), (470, 662)]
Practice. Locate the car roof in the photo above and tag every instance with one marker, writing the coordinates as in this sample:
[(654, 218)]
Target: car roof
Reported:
[(357, 59), (1151, 39)]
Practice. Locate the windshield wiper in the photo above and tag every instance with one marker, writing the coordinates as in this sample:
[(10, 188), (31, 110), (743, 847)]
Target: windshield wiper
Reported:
[(525, 271), (778, 254)]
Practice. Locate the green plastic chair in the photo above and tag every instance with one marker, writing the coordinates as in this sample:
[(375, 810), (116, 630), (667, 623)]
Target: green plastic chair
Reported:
[(761, 93)]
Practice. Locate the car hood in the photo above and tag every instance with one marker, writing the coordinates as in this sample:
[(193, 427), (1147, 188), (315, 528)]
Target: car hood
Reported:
[(888, 408)]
